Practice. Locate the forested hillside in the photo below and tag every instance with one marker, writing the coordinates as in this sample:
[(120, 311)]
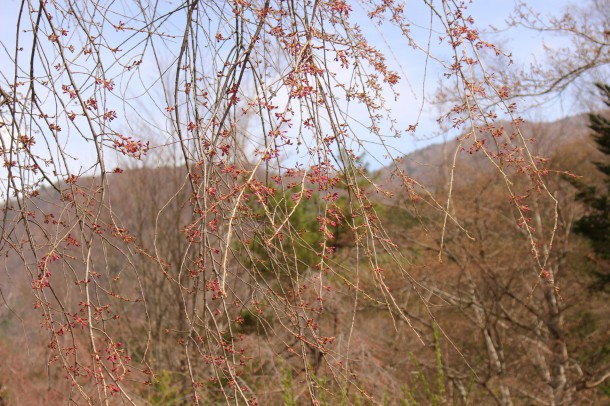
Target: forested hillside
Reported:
[(470, 320), (216, 202)]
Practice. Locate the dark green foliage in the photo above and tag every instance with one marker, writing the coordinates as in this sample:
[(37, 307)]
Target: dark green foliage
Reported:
[(601, 126), (296, 228), (292, 248), (596, 223)]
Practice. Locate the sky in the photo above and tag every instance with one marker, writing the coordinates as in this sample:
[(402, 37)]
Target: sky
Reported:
[(524, 45)]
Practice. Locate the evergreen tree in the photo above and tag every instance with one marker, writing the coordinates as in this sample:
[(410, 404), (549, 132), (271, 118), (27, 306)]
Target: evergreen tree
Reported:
[(596, 223)]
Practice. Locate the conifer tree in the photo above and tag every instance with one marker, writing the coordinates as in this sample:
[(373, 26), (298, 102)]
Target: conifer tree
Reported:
[(596, 223)]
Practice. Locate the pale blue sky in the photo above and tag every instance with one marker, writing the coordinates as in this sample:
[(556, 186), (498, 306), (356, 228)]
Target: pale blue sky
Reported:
[(524, 45)]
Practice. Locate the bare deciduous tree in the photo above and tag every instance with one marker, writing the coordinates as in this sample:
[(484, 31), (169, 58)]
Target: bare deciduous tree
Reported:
[(264, 102)]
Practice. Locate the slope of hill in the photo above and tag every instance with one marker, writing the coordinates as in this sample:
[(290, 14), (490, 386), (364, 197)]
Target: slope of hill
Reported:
[(481, 312), (432, 166)]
